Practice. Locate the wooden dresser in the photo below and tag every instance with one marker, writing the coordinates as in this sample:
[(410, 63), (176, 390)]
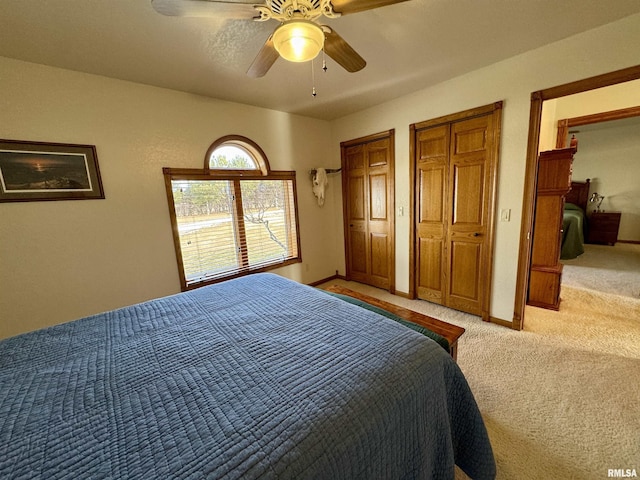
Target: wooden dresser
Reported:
[(553, 184), (603, 227)]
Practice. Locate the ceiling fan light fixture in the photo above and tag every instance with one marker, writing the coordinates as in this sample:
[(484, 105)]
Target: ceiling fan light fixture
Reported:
[(298, 40)]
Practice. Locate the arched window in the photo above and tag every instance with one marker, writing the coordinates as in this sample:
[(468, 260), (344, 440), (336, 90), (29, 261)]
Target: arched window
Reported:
[(231, 157), (235, 152), (234, 217)]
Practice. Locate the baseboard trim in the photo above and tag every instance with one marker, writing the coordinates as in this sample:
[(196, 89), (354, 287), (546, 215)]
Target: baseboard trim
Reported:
[(503, 323), (328, 279), (635, 242)]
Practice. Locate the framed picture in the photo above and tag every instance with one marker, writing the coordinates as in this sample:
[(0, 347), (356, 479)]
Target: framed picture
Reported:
[(36, 171)]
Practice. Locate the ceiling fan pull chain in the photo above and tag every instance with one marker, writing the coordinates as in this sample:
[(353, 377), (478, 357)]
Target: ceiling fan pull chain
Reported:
[(324, 62), (313, 81)]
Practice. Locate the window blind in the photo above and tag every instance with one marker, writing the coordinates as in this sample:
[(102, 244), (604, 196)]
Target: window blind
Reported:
[(230, 227)]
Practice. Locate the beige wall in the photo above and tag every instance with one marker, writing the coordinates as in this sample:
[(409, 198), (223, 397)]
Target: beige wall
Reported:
[(601, 50), (67, 259), (610, 157)]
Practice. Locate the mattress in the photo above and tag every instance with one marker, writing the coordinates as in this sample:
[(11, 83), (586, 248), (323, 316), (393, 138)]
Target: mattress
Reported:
[(258, 377)]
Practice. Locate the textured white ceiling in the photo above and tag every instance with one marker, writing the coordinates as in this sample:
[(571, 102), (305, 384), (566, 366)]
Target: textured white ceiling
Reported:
[(407, 46)]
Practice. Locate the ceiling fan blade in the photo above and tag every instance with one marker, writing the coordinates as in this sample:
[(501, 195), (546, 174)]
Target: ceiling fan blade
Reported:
[(336, 47), (264, 60), (353, 6), (205, 8)]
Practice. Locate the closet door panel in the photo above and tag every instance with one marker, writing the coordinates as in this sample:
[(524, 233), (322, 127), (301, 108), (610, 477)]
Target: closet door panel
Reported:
[(358, 244), (379, 255), (378, 196), (431, 187), (357, 210), (368, 191), (430, 274), (356, 197), (378, 153), (465, 270), (470, 167), (467, 207)]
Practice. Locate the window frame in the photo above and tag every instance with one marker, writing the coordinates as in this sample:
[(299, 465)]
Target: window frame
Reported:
[(236, 176), (244, 143)]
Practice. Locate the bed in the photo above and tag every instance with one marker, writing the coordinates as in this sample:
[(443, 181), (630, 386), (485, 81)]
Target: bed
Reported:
[(257, 377), (574, 220)]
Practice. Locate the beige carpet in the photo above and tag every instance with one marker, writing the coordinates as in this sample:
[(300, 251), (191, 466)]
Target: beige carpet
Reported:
[(561, 399), (605, 268)]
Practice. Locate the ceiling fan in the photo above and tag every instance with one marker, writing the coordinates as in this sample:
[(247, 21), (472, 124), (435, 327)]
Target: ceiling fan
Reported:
[(298, 38)]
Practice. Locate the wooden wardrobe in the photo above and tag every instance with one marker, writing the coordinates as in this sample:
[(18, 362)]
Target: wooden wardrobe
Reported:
[(552, 185)]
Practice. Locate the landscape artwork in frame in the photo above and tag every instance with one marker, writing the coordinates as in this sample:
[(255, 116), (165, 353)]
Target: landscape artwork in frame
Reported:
[(36, 171)]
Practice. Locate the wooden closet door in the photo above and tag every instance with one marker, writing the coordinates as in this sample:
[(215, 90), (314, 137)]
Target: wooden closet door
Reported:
[(454, 166), (432, 172), (470, 171), (357, 234), (380, 213), (368, 196)]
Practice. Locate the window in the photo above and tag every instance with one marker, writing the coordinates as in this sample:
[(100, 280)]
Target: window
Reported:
[(233, 217)]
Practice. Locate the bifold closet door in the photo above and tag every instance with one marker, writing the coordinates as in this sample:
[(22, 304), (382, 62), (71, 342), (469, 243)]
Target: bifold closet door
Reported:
[(453, 189), (368, 196)]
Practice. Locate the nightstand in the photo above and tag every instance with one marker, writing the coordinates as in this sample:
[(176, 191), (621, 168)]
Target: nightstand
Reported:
[(603, 227)]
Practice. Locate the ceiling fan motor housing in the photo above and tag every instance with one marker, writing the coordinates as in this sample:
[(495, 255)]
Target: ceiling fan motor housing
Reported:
[(285, 10)]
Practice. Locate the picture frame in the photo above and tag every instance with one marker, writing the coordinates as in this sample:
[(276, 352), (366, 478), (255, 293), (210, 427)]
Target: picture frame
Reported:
[(39, 171)]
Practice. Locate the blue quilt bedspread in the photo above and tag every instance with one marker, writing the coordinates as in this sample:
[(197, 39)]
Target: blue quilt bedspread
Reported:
[(258, 377)]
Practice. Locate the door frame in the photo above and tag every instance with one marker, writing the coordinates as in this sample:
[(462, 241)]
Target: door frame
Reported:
[(535, 118), (564, 124), (496, 110), (390, 134)]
